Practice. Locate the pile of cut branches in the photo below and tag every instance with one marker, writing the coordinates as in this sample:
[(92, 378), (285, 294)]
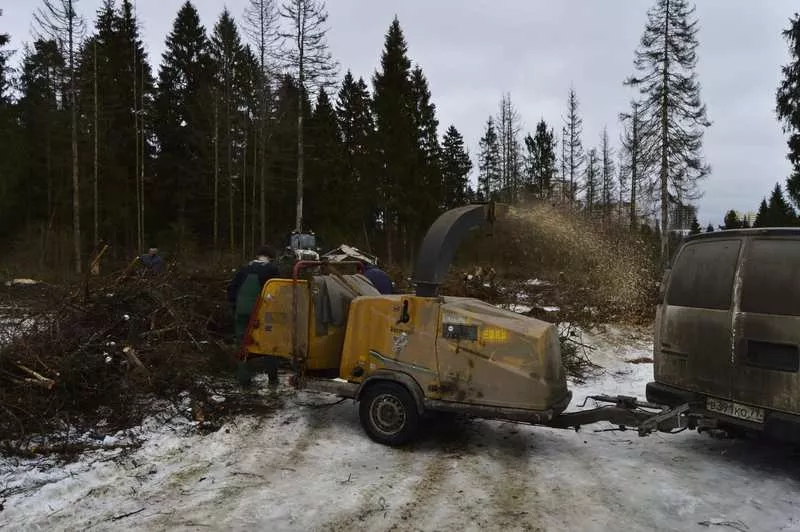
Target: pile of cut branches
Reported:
[(108, 353)]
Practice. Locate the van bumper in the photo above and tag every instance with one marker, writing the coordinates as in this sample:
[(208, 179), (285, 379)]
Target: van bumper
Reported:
[(667, 395), (779, 426)]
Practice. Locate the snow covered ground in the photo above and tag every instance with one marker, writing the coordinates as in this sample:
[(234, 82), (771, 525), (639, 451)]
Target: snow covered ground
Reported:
[(312, 468)]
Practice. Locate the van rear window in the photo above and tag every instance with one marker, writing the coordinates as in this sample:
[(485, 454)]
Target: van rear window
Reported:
[(771, 283), (702, 276)]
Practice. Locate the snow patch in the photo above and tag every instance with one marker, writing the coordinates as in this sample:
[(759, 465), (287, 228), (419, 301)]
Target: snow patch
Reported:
[(24, 282)]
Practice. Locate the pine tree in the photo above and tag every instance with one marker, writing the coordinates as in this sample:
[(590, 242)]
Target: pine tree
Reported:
[(328, 192), (58, 21), (456, 166), (671, 104), (228, 57), (593, 181), (489, 178), (575, 155), (762, 217), (541, 161), (184, 120), (780, 213), (396, 134), (113, 67), (508, 123), (694, 229), (788, 105), (638, 157), (358, 129), (607, 174), (426, 195), (45, 151), (731, 221)]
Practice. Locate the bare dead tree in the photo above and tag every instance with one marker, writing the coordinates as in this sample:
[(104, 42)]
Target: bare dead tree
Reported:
[(57, 20), (261, 20), (306, 54)]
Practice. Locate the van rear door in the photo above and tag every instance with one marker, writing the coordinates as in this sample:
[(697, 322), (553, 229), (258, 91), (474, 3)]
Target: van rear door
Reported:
[(693, 346), (767, 332)]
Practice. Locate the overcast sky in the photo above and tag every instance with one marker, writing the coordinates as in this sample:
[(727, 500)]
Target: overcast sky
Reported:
[(473, 51)]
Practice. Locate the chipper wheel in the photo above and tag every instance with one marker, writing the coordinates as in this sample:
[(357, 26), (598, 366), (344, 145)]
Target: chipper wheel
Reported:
[(389, 414)]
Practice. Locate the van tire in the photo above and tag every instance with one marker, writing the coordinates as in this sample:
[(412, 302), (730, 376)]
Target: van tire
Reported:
[(389, 414)]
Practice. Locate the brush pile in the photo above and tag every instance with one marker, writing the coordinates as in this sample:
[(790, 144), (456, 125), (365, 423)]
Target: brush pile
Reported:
[(107, 353)]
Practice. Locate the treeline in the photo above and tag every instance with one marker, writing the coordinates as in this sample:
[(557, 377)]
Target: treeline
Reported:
[(206, 154), (249, 129)]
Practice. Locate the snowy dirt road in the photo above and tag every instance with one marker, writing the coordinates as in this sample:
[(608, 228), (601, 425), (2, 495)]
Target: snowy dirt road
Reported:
[(304, 468)]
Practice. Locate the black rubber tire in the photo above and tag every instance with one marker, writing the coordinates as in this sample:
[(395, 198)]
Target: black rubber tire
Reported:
[(392, 400)]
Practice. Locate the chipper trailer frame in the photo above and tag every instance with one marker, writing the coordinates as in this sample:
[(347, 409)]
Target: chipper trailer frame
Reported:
[(403, 355)]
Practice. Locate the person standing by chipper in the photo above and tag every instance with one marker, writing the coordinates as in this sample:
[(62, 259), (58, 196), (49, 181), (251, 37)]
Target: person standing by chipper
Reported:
[(243, 293)]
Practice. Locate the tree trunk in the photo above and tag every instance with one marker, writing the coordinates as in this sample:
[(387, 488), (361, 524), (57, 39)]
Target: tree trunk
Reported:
[(76, 202), (256, 152), (215, 237), (229, 138), (140, 213), (96, 197), (664, 155), (136, 171), (244, 202), (299, 215)]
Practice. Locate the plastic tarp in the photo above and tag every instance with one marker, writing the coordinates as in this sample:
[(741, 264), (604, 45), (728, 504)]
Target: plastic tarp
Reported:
[(332, 297)]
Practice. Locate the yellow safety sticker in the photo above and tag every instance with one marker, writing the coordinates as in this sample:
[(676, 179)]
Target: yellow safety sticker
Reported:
[(494, 334)]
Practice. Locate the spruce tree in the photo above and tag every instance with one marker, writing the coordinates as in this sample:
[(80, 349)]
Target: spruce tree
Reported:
[(58, 20), (456, 166), (575, 155), (489, 162), (358, 129), (694, 228), (184, 120), (541, 150), (424, 200), (762, 217), (638, 157), (328, 192), (593, 181), (788, 105), (396, 134), (731, 221), (607, 174), (780, 213), (666, 61)]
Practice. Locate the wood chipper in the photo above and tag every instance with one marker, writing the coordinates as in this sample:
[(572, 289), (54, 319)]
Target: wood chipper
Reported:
[(403, 355)]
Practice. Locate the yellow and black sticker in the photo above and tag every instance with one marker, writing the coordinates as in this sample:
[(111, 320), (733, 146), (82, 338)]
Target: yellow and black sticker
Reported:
[(494, 334)]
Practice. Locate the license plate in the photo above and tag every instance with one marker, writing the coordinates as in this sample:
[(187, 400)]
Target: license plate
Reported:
[(747, 413)]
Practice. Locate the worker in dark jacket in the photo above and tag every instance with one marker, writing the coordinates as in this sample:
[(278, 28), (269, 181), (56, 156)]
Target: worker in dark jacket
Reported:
[(243, 293), (379, 278)]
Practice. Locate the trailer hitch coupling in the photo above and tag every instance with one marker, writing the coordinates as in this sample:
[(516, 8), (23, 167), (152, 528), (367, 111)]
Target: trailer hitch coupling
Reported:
[(626, 411)]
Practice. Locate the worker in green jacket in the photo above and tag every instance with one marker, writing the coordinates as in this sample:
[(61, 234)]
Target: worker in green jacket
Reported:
[(243, 293)]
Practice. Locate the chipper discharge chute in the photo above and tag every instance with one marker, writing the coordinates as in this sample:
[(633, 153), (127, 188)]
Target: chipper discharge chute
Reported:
[(402, 355)]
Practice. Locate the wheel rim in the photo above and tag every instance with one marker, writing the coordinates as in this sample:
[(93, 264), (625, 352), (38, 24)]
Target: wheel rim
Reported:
[(388, 414)]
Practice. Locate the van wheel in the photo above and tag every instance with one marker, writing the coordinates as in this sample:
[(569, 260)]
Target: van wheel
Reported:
[(389, 414)]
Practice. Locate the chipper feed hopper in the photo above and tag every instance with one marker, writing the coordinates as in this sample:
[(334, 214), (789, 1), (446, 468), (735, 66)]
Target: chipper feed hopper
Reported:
[(402, 355)]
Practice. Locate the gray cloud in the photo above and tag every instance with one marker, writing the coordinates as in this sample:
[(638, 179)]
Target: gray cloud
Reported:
[(473, 52)]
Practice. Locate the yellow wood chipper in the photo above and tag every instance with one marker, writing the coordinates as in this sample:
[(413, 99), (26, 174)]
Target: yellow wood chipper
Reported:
[(403, 355)]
